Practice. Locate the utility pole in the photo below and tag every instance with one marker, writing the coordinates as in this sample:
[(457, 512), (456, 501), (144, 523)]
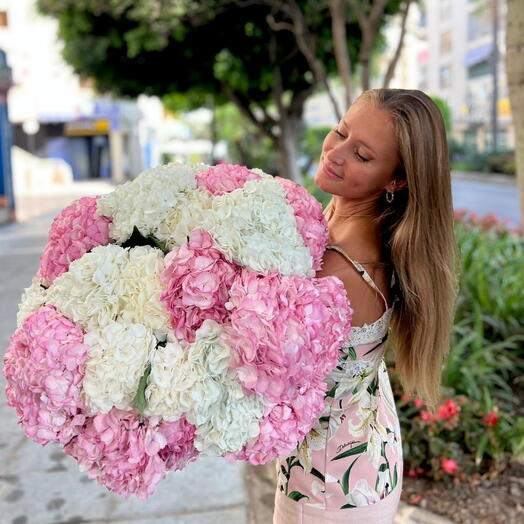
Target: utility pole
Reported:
[(494, 70)]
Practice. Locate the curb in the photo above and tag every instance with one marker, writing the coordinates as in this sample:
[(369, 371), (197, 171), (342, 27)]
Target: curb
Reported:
[(485, 178), (408, 514)]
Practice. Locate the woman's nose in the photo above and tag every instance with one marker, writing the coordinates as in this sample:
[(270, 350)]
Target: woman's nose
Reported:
[(335, 158)]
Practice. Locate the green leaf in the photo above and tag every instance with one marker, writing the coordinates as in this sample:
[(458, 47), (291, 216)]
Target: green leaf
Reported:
[(345, 478), (140, 397), (296, 495), (353, 451), (352, 353), (481, 448), (331, 392), (395, 477), (318, 474)]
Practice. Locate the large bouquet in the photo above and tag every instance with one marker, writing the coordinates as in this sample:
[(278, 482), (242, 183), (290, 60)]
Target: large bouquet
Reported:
[(175, 316)]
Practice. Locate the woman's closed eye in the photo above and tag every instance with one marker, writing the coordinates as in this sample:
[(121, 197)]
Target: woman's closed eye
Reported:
[(357, 155)]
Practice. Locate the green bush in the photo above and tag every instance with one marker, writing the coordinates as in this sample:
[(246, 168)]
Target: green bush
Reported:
[(501, 163)]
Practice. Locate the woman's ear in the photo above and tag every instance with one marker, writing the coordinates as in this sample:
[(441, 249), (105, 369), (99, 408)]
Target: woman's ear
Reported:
[(399, 183)]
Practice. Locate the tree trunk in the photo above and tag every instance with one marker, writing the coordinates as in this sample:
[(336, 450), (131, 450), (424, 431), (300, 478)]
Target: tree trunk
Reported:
[(287, 148), (338, 27), (515, 75), (393, 64)]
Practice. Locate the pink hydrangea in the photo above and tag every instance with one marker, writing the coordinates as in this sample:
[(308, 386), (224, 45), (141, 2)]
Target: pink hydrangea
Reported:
[(280, 344), (74, 232), (197, 279), (44, 368), (284, 426), (311, 224), (225, 178), (129, 456)]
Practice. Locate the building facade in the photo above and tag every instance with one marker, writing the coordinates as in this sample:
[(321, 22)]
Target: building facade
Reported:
[(57, 115), (458, 44)]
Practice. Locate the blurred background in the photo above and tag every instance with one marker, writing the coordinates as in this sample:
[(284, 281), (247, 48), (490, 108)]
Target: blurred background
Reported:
[(93, 92)]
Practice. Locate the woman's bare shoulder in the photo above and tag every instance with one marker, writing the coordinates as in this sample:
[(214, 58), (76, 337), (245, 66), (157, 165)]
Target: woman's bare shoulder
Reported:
[(367, 304)]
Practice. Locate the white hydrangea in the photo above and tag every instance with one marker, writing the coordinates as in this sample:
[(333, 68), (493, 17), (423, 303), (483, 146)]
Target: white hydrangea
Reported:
[(113, 283), (195, 380), (184, 218), (117, 358), (146, 201), (87, 293), (33, 297), (254, 226), (139, 288)]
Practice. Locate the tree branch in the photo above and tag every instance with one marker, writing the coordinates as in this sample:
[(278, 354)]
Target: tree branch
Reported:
[(243, 104), (338, 28), (393, 64)]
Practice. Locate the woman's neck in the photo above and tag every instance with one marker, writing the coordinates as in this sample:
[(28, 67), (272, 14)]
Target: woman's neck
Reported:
[(359, 232)]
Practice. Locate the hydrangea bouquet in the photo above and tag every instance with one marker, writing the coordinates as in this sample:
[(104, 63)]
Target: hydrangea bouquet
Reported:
[(176, 316)]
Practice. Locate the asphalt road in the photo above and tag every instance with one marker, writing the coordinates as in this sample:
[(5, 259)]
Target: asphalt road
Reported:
[(484, 198)]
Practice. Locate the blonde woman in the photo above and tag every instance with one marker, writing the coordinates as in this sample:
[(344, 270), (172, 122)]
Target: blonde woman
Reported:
[(392, 244)]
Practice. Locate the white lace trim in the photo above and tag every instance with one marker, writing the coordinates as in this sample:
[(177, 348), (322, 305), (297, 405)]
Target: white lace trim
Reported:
[(368, 333)]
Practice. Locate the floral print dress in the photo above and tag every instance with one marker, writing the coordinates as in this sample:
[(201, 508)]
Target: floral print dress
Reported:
[(352, 458)]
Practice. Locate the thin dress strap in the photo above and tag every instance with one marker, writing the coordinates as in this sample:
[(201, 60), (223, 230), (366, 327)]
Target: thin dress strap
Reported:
[(362, 272)]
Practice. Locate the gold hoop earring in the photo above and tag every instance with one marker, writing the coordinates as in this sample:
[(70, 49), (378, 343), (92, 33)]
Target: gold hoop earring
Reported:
[(389, 196)]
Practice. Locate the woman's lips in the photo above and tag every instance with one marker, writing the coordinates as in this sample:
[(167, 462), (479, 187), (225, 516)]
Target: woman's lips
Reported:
[(330, 173)]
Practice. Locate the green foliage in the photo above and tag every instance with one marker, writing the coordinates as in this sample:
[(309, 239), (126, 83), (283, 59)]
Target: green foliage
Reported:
[(313, 189), (159, 48), (467, 436), (246, 144), (467, 158), (445, 111), (310, 145)]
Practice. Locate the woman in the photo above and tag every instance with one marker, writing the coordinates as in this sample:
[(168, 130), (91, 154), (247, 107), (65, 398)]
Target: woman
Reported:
[(391, 242)]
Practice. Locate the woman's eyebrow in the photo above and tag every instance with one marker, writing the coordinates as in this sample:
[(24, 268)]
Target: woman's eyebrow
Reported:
[(361, 141)]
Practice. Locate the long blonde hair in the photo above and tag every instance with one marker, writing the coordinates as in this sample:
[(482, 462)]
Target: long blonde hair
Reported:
[(417, 231)]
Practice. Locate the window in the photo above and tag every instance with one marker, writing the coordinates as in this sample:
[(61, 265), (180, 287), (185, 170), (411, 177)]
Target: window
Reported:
[(445, 10), (445, 76), (480, 69), (445, 42), (479, 24)]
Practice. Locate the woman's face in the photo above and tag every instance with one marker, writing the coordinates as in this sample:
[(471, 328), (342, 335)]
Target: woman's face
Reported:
[(360, 155)]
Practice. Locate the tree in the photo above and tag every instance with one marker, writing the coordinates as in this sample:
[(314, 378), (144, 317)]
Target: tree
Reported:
[(158, 47), (370, 17), (237, 51), (515, 75)]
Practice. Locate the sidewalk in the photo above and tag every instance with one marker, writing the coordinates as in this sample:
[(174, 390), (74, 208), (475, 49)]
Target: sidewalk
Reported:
[(487, 178), (42, 485)]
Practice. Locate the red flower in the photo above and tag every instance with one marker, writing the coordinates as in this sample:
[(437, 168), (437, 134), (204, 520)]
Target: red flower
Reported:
[(449, 466), (448, 410), (418, 402), (415, 499), (491, 419), (427, 416), (405, 396)]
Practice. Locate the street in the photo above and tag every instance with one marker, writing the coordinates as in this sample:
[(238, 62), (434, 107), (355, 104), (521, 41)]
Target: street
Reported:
[(487, 197)]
